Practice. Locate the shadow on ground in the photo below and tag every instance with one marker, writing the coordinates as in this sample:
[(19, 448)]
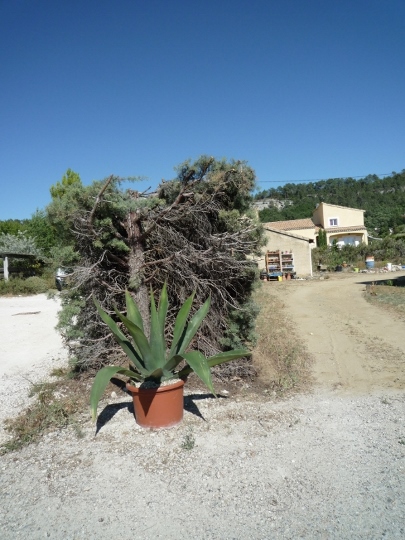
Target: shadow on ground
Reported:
[(111, 410)]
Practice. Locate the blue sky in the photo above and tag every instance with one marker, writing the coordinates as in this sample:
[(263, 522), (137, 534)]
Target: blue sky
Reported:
[(301, 89)]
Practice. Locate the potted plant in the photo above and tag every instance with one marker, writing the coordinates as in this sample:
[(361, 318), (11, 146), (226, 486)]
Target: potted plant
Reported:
[(155, 379)]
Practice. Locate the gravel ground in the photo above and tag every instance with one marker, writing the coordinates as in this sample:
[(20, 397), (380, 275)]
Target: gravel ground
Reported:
[(246, 466), (29, 349)]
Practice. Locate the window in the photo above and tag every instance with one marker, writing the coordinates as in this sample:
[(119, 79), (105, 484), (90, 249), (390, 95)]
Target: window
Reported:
[(333, 222)]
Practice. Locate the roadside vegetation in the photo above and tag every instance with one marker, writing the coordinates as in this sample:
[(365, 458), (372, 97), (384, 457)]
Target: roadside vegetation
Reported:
[(57, 403), (390, 295), (17, 285), (387, 250), (280, 358)]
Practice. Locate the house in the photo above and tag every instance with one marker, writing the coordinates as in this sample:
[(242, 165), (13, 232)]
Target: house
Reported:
[(301, 227), (342, 225), (287, 241)]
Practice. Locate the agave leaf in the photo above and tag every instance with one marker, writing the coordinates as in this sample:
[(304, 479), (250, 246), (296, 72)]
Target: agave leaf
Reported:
[(173, 362), (193, 326), (157, 336), (227, 356), (133, 312), (199, 365), (121, 339), (100, 382), (108, 321), (150, 362), (163, 375), (219, 358), (180, 325)]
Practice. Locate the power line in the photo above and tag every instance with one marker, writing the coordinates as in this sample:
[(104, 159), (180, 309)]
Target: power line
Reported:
[(320, 179)]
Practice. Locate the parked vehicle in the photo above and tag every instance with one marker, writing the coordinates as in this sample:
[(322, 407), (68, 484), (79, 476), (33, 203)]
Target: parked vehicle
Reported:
[(61, 277)]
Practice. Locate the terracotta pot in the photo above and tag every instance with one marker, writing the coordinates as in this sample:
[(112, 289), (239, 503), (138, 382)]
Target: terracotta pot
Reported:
[(158, 407)]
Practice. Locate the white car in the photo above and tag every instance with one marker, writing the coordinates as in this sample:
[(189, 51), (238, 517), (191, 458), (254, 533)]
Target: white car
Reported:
[(61, 276)]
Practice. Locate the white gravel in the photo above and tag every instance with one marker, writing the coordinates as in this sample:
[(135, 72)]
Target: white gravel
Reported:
[(316, 466), (30, 348)]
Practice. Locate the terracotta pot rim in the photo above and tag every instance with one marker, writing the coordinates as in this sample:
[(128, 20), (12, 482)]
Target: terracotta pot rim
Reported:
[(158, 390)]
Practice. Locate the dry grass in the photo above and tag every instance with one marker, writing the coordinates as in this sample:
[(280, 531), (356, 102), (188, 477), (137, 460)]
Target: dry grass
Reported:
[(281, 360), (56, 406), (388, 297)]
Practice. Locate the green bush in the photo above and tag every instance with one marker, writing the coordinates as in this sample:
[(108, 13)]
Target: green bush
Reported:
[(18, 285), (389, 249), (36, 284)]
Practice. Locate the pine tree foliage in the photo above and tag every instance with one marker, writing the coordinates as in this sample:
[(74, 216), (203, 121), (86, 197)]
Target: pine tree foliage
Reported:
[(70, 178), (196, 233)]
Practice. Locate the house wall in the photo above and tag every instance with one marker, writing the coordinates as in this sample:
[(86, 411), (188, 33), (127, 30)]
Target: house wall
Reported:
[(300, 248), (347, 217)]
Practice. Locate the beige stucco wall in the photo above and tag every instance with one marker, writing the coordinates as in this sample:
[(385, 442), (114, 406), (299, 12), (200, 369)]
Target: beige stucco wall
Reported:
[(300, 248), (347, 217)]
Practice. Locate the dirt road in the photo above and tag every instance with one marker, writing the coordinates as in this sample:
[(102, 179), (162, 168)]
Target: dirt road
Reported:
[(357, 347)]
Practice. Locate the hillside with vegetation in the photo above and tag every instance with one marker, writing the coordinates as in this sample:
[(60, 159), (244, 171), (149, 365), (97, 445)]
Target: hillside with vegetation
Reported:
[(383, 199)]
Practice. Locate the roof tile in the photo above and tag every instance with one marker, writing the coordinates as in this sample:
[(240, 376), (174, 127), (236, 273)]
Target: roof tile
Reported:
[(291, 225)]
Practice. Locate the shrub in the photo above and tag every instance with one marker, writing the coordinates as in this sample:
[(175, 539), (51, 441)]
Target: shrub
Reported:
[(18, 285)]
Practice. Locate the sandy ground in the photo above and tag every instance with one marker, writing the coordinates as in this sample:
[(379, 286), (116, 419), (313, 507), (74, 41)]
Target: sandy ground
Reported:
[(27, 332), (327, 464), (30, 348), (357, 348)]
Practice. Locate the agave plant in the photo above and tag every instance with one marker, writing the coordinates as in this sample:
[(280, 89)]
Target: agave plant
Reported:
[(153, 360)]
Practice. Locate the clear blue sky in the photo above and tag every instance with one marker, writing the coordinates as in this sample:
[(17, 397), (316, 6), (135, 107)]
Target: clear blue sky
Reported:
[(301, 89)]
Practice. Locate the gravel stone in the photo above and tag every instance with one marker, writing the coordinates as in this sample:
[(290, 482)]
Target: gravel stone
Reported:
[(322, 465)]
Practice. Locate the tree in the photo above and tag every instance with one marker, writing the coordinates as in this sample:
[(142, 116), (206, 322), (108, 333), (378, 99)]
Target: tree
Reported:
[(382, 198), (13, 226), (68, 179), (19, 243), (40, 228), (195, 234), (322, 239)]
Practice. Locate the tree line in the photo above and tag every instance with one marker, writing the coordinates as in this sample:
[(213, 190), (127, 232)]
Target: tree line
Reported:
[(383, 200)]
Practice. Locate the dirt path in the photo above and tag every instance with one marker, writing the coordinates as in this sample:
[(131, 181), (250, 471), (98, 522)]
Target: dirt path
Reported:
[(357, 347)]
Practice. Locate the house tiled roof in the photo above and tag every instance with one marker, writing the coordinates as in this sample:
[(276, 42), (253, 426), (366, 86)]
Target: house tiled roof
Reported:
[(291, 225)]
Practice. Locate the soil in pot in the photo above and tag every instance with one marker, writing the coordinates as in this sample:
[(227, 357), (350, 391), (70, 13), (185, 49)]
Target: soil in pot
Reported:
[(160, 407)]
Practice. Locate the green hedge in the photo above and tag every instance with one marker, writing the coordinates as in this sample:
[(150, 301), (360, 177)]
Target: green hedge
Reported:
[(31, 285)]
